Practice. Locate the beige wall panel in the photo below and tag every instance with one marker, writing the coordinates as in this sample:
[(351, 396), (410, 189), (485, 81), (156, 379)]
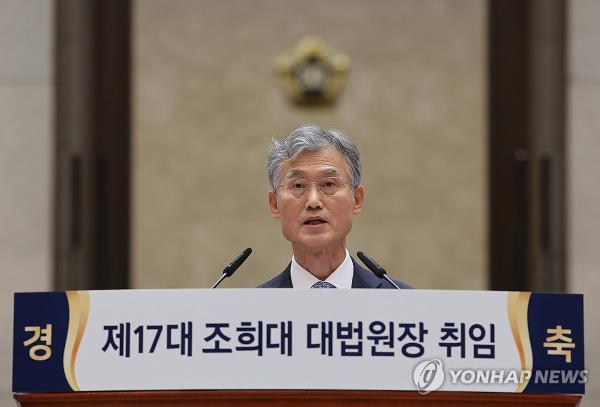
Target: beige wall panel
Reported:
[(584, 176), (26, 163), (584, 218), (206, 105)]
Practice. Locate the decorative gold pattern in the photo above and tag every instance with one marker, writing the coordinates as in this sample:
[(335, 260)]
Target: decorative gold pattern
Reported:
[(79, 306), (518, 304), (312, 72)]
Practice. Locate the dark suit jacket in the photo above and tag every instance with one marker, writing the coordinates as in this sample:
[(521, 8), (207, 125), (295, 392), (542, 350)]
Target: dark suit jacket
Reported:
[(361, 279)]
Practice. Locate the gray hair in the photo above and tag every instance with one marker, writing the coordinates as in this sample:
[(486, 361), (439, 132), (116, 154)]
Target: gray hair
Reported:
[(311, 137)]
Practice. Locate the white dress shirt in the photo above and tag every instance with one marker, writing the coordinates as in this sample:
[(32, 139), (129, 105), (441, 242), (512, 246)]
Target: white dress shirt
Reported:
[(341, 277)]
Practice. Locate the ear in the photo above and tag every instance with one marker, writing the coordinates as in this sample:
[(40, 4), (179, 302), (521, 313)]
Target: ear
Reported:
[(359, 199), (273, 205)]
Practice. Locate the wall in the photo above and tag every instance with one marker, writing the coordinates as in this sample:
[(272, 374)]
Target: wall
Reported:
[(206, 105), (583, 87), (25, 161)]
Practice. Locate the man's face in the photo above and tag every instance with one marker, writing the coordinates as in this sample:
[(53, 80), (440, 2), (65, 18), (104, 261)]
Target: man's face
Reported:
[(314, 220)]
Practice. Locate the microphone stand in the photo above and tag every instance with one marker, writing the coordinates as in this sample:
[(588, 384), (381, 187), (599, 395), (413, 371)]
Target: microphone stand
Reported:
[(233, 266), (375, 268)]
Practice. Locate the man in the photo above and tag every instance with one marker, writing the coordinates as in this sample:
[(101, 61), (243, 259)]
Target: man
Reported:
[(315, 176)]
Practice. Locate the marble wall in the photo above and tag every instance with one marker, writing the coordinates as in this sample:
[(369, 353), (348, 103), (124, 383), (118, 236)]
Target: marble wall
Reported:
[(583, 147), (26, 172), (206, 105)]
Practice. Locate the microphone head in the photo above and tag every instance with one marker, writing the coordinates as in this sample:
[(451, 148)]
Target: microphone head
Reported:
[(234, 265), (371, 264)]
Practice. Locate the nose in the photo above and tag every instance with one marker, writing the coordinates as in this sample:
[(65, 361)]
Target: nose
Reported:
[(313, 197)]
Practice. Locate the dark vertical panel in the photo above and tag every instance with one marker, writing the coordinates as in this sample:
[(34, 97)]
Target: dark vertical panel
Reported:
[(93, 113), (509, 143), (526, 144), (75, 204), (74, 97), (548, 129), (112, 141)]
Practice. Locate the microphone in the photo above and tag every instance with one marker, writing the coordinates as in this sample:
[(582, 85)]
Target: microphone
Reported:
[(233, 266), (375, 268)]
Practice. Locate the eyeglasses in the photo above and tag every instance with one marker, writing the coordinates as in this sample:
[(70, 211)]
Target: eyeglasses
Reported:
[(328, 186)]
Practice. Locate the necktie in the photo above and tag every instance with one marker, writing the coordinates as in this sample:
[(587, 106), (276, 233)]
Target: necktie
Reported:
[(322, 284)]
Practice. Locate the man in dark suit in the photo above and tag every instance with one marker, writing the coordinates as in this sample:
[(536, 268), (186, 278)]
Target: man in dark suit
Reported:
[(315, 176), (361, 279)]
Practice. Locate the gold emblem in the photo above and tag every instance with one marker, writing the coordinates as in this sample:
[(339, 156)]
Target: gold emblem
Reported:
[(312, 72)]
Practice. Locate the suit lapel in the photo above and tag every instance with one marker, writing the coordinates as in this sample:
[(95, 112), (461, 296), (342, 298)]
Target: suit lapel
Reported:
[(284, 280), (363, 278)]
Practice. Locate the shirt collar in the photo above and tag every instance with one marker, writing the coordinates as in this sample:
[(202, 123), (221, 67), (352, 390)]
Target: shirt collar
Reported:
[(341, 277)]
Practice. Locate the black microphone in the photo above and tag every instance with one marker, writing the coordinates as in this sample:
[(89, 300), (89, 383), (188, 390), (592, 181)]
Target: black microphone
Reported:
[(375, 268), (233, 266)]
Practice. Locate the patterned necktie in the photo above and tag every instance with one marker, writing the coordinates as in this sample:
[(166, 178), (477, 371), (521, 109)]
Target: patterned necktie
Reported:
[(322, 284)]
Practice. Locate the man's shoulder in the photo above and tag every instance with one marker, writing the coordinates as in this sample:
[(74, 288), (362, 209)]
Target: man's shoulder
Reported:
[(399, 283), (361, 278), (281, 280)]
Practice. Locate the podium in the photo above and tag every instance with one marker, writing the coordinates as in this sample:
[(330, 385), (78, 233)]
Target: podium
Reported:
[(314, 398), (277, 347)]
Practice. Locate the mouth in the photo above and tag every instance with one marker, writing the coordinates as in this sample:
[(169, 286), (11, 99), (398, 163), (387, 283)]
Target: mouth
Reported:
[(314, 221)]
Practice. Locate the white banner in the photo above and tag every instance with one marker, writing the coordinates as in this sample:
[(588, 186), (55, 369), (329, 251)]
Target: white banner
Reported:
[(287, 339)]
